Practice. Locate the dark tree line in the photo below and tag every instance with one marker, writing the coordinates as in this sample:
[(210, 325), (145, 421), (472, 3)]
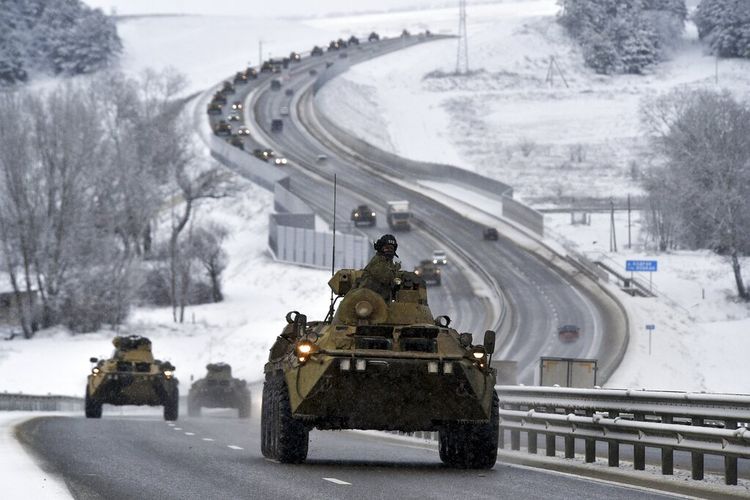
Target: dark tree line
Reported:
[(97, 182), (699, 196), (725, 26), (54, 36), (623, 36)]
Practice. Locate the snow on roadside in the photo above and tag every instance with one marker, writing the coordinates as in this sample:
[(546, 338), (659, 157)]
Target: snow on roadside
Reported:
[(20, 476)]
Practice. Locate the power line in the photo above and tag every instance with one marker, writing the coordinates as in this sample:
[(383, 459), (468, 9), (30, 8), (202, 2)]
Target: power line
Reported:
[(462, 56)]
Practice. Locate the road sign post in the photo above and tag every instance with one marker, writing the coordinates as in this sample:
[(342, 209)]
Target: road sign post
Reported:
[(642, 266), (650, 329)]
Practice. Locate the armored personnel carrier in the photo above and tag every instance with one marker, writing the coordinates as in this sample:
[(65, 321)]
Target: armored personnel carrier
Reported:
[(380, 364), (131, 377), (218, 389), (428, 271)]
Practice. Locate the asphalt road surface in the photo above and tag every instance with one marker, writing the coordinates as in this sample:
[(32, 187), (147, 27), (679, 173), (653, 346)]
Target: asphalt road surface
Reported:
[(218, 457)]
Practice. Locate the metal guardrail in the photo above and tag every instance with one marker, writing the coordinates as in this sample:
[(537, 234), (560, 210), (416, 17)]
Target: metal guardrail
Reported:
[(698, 423), (29, 402)]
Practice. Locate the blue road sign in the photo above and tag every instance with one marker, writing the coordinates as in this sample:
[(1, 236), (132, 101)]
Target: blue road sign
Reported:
[(640, 266), (650, 327)]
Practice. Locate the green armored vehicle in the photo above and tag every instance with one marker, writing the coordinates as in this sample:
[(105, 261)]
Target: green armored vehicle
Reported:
[(132, 377), (219, 390), (383, 365)]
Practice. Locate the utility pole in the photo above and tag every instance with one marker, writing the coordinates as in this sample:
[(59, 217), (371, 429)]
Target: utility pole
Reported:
[(260, 53), (462, 55), (629, 242)]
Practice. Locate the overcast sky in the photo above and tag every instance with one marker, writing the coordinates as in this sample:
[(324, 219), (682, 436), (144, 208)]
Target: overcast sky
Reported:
[(267, 8)]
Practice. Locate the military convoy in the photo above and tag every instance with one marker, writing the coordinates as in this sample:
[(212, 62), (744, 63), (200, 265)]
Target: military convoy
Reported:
[(131, 377), (384, 365), (218, 389)]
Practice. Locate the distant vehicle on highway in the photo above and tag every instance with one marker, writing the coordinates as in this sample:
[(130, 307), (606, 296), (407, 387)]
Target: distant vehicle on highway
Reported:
[(277, 125), (275, 84), (568, 333), (295, 57), (284, 111), (399, 215), (289, 92), (490, 233), (429, 272), (240, 78), (264, 154), (321, 158), (313, 72), (214, 108), (234, 117), (219, 98), (222, 128), (236, 141), (227, 88), (353, 40), (363, 214), (237, 105), (316, 51), (243, 131), (218, 389), (280, 161), (439, 258), (374, 37)]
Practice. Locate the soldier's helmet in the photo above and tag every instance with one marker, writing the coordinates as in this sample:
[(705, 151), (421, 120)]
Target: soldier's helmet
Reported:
[(386, 245)]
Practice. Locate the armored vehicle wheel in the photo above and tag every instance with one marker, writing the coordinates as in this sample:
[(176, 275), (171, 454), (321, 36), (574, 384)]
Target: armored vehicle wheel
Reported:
[(194, 409), (171, 404), (244, 408), (93, 408), (471, 446), (287, 438), (266, 430)]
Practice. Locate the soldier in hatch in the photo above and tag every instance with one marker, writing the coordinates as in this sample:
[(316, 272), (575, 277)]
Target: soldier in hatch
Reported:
[(380, 272)]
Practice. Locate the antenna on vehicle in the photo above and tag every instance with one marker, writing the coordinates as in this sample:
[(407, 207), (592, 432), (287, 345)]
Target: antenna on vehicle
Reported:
[(333, 254)]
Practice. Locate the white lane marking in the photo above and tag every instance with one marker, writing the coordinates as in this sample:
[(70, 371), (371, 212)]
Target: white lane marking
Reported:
[(234, 447), (207, 439), (177, 428), (171, 424), (190, 433), (336, 481)]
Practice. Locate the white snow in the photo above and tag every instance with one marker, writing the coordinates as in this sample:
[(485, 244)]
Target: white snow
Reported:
[(486, 123)]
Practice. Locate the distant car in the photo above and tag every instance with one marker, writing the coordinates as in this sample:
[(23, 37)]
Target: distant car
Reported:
[(237, 105), (342, 43), (334, 45), (321, 158), (227, 88), (275, 84), (243, 131), (295, 57), (234, 117), (490, 233), (280, 161), (219, 98), (214, 108), (284, 111), (241, 78), (289, 92), (316, 51), (251, 73), (353, 40), (429, 272), (374, 37), (568, 333), (439, 258), (222, 128), (405, 33), (263, 154), (277, 125), (236, 141), (363, 214), (266, 67)]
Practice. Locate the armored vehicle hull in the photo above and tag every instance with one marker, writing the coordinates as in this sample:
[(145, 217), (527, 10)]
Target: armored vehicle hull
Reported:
[(382, 365), (132, 377), (219, 390)]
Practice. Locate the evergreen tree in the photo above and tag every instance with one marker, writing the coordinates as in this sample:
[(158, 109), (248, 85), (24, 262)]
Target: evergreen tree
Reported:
[(725, 26)]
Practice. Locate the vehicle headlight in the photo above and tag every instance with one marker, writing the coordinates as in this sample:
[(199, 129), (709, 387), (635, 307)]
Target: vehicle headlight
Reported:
[(168, 373), (304, 349), (95, 371), (434, 261), (479, 356), (373, 214)]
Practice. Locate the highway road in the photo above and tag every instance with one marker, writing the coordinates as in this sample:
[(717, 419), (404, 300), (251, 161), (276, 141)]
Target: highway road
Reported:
[(218, 457), (538, 297)]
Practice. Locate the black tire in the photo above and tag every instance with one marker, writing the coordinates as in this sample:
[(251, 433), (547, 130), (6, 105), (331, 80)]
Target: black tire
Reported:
[(471, 446), (171, 404), (194, 408), (287, 438), (92, 408), (244, 408), (266, 429)]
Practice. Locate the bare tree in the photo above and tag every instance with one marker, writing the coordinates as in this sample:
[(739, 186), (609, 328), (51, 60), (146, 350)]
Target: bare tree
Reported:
[(206, 249), (703, 138)]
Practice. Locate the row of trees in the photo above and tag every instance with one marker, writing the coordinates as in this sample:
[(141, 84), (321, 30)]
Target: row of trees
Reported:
[(54, 36), (623, 36), (98, 190), (725, 26), (699, 194)]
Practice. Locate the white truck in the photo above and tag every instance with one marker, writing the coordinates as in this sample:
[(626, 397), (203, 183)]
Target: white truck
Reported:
[(399, 215)]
